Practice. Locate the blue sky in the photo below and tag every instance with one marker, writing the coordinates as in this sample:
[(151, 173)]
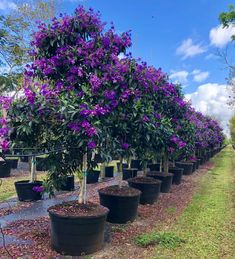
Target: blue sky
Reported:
[(182, 37), (159, 27)]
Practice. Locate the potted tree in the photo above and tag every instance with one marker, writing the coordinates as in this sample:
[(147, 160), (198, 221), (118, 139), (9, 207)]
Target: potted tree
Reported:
[(65, 89)]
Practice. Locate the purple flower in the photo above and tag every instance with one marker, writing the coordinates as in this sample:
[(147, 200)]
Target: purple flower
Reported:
[(90, 132), (95, 82), (4, 131), (125, 146), (91, 145), (30, 95), (6, 102), (5, 145), (74, 126), (110, 95), (146, 118), (38, 188)]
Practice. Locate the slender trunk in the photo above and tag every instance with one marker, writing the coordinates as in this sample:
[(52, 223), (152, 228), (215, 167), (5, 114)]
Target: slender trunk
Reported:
[(166, 163), (102, 170), (160, 169), (83, 193), (173, 162), (33, 169), (129, 161), (120, 173), (145, 163)]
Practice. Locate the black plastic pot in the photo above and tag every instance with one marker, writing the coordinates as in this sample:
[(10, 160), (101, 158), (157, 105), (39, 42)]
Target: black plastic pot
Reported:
[(122, 207), (136, 163), (109, 171), (198, 162), (25, 192), (124, 165), (188, 167), (41, 164), (77, 235), (93, 176), (154, 167), (149, 187), (24, 159), (165, 178), (69, 184), (5, 169), (177, 174), (202, 160), (13, 162), (129, 173)]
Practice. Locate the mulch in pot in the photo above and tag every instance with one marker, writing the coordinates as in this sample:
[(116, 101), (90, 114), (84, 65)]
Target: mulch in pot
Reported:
[(149, 187), (77, 229), (165, 178), (122, 203)]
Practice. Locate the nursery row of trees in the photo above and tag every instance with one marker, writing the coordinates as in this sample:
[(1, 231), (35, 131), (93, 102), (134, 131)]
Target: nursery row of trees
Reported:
[(81, 100), (80, 95)]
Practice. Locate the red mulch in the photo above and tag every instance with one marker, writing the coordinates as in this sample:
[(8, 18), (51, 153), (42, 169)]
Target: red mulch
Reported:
[(37, 231)]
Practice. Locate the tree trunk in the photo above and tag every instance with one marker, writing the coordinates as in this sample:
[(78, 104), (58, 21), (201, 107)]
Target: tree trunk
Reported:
[(145, 163), (83, 193), (121, 172), (33, 169), (166, 163), (102, 170)]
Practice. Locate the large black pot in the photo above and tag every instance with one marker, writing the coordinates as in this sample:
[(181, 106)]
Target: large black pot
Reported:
[(109, 171), (188, 167), (93, 176), (198, 162), (165, 178), (68, 185), (177, 174), (5, 169), (13, 162), (202, 160), (129, 173), (136, 163), (124, 165), (122, 207), (154, 167), (25, 192), (149, 187), (77, 235)]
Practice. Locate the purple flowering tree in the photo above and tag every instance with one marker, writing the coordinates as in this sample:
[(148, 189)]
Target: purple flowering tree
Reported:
[(69, 90)]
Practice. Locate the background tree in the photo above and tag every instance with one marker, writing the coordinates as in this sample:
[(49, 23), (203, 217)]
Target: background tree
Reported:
[(227, 19), (232, 129), (16, 30)]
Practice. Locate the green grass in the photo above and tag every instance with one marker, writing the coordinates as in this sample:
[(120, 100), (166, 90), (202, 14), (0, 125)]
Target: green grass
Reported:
[(165, 239), (207, 225)]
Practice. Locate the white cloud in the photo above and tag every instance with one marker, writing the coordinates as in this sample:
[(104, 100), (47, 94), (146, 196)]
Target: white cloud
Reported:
[(200, 76), (189, 49), (220, 36), (211, 99), (5, 4), (179, 76)]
